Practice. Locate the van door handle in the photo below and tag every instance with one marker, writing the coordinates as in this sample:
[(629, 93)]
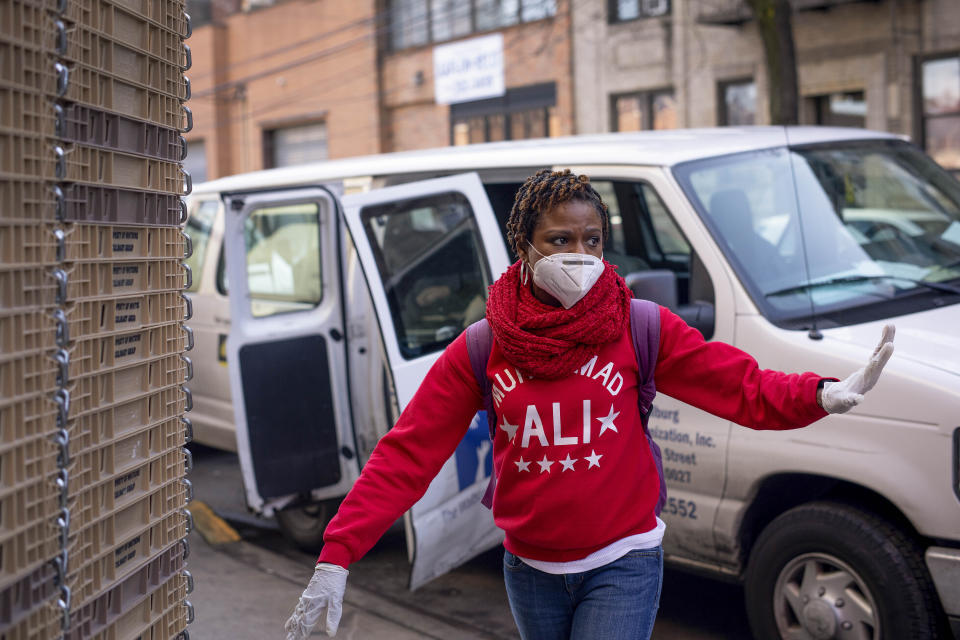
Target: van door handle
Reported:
[(336, 335)]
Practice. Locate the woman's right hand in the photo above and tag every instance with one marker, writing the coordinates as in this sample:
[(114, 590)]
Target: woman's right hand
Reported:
[(321, 600)]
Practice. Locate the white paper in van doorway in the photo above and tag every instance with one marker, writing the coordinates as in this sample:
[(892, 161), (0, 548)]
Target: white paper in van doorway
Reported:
[(469, 70)]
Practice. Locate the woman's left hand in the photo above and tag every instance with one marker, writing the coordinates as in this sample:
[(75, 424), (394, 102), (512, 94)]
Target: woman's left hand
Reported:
[(840, 397)]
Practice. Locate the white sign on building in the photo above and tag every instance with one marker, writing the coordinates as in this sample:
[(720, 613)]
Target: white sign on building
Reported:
[(469, 70)]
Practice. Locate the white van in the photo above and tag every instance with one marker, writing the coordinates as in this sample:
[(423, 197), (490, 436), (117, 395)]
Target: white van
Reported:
[(348, 278)]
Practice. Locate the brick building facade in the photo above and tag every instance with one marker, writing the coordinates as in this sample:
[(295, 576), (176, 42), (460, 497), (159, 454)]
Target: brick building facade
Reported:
[(891, 65), (284, 81)]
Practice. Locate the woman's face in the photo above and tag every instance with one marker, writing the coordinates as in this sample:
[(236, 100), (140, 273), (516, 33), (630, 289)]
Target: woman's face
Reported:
[(570, 227)]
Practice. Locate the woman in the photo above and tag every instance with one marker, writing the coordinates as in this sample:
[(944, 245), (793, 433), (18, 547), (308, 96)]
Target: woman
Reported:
[(564, 379)]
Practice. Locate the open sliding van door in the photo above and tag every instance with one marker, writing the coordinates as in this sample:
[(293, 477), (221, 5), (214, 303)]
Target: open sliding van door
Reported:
[(429, 250), (286, 347)]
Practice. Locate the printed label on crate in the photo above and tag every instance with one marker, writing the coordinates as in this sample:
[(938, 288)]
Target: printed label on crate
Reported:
[(127, 277), (127, 313), (127, 241), (127, 483), (125, 552), (127, 348)]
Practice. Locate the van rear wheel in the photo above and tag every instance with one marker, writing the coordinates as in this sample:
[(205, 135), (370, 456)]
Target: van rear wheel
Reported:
[(304, 524), (827, 570)]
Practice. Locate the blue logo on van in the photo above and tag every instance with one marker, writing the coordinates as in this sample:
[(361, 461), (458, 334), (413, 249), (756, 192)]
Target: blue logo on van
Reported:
[(474, 454)]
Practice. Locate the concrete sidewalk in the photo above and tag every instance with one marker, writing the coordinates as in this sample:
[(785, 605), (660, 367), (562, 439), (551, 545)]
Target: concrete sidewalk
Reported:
[(245, 591)]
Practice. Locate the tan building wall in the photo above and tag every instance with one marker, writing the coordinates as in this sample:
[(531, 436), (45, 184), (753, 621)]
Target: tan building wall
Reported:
[(297, 62), (869, 46), (534, 53)]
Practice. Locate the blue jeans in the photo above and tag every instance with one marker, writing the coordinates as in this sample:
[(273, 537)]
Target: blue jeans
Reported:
[(617, 601)]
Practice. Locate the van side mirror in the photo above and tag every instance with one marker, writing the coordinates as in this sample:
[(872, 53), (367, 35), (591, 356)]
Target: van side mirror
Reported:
[(660, 286)]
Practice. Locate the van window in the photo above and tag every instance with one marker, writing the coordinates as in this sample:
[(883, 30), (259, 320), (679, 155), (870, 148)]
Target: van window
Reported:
[(198, 228), (283, 258), (431, 262)]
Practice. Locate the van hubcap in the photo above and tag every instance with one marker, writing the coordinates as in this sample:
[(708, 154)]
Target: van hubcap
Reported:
[(820, 597)]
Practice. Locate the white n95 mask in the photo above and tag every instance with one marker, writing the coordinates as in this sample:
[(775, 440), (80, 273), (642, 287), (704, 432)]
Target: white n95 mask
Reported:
[(567, 276)]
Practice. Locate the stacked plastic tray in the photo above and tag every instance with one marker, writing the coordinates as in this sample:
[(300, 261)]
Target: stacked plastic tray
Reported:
[(93, 464)]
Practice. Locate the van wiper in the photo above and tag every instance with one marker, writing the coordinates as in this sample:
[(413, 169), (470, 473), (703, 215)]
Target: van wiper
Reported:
[(936, 286)]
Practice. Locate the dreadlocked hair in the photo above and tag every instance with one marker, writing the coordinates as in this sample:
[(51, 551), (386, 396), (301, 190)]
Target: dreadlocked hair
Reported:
[(541, 192)]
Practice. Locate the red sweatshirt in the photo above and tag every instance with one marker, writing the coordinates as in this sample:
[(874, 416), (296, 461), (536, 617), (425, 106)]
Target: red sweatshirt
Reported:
[(561, 443)]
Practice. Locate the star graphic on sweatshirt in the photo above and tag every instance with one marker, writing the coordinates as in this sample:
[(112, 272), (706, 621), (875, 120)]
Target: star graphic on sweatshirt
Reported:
[(594, 459), (568, 463), (511, 429), (521, 465), (545, 464), (606, 422)]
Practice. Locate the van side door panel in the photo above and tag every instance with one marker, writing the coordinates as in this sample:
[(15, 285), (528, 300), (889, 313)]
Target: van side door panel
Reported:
[(429, 250), (287, 346)]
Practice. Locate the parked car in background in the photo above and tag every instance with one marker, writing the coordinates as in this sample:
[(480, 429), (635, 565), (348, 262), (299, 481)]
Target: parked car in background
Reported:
[(346, 279)]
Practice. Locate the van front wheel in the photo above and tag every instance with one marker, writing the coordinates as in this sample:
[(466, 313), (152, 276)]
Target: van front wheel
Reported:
[(304, 524), (828, 570)]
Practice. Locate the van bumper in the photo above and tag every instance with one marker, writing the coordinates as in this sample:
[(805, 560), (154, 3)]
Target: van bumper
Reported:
[(944, 566)]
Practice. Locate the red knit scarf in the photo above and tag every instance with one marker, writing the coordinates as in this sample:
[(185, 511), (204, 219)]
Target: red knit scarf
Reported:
[(551, 342)]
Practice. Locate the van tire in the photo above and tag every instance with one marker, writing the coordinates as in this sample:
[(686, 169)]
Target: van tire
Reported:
[(874, 557), (304, 525)]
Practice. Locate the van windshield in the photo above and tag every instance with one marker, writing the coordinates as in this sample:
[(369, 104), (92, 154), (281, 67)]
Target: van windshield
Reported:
[(850, 231)]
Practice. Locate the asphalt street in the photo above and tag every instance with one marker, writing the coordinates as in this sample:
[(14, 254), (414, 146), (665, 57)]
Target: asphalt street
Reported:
[(247, 588)]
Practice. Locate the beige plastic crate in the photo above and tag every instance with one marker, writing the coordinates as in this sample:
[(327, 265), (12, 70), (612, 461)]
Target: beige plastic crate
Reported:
[(25, 596), (127, 20), (25, 156), (34, 537), (28, 244), (22, 464), (100, 279), (94, 575), (95, 242), (94, 317), (103, 425), (89, 504), (98, 204), (29, 68), (27, 288), (120, 58), (101, 613), (26, 21), (89, 540), (116, 169), (27, 200), (99, 90), (27, 374), (100, 353), (163, 614), (92, 465), (25, 112), (43, 623), (111, 131), (27, 330), (100, 390), (26, 418)]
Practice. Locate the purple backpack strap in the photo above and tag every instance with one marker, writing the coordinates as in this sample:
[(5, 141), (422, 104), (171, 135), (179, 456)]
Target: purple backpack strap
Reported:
[(479, 345), (645, 329)]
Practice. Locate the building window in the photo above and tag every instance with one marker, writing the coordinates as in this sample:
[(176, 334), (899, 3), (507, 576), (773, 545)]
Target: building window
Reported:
[(644, 110), (300, 144), (623, 10), (738, 103), (196, 161), (417, 22), (847, 109), (940, 94), (522, 112)]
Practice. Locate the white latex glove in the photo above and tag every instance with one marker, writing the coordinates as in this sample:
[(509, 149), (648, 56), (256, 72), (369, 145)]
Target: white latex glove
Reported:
[(322, 599), (840, 397)]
